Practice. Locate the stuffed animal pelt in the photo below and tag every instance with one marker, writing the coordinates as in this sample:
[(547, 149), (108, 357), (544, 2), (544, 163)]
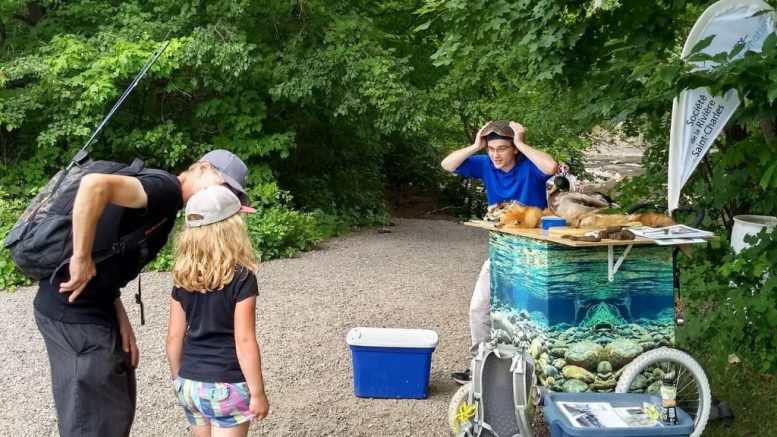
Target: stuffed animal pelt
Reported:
[(652, 219), (516, 215)]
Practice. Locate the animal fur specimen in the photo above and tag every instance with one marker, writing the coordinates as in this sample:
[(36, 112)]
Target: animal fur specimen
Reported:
[(516, 215), (652, 219)]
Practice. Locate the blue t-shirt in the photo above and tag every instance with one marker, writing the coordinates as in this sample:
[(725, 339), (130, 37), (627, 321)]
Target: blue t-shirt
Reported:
[(524, 183)]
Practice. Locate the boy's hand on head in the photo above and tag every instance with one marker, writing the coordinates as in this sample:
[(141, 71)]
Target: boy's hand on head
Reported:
[(480, 141), (519, 130)]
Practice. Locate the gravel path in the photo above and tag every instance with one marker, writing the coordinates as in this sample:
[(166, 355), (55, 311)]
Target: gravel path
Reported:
[(420, 275)]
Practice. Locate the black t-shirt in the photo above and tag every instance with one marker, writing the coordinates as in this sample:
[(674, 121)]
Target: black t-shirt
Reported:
[(95, 304), (209, 353)]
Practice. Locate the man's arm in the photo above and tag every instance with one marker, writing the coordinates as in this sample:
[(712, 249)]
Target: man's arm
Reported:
[(95, 192), (542, 160), (457, 157)]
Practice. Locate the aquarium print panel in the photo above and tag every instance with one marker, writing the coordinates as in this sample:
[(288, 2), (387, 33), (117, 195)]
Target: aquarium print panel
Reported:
[(581, 328)]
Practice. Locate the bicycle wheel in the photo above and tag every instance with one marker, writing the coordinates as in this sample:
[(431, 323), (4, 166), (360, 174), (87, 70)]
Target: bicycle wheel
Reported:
[(459, 398), (693, 389)]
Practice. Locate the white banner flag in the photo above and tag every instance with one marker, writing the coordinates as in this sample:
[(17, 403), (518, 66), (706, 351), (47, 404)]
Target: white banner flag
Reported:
[(697, 116)]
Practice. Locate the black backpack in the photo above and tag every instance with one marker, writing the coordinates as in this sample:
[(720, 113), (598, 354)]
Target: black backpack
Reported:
[(41, 241)]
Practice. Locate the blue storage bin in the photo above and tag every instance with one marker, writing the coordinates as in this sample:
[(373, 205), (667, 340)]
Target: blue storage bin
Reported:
[(550, 221), (560, 426), (390, 362)]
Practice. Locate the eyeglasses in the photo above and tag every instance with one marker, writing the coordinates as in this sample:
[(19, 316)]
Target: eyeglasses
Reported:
[(500, 149)]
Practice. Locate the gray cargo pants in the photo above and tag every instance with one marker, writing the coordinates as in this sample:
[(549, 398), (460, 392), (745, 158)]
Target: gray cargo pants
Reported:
[(91, 376)]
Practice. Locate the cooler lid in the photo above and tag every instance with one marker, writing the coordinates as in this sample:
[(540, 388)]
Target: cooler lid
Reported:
[(392, 337)]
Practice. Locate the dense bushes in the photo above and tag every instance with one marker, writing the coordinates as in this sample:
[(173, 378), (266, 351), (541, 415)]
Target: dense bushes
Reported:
[(10, 276)]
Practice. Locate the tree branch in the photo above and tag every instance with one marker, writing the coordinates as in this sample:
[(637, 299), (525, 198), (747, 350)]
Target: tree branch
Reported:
[(707, 173)]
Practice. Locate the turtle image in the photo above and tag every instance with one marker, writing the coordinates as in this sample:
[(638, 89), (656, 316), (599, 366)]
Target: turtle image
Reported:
[(501, 127)]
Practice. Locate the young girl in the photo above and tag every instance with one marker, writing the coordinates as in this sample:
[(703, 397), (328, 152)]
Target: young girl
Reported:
[(211, 337)]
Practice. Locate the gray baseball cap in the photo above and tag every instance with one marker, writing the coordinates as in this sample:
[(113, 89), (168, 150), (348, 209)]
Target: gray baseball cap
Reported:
[(212, 205), (232, 169)]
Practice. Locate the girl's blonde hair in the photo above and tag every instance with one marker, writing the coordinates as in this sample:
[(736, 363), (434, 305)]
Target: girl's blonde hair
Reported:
[(206, 257)]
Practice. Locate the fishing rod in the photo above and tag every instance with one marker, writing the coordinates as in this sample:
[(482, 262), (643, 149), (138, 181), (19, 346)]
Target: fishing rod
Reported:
[(79, 155)]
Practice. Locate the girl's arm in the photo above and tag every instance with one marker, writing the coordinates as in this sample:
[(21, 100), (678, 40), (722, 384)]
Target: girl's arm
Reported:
[(176, 330), (248, 355)]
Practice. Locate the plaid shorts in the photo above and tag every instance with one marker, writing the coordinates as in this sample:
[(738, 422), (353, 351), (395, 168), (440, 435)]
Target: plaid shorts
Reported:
[(220, 404)]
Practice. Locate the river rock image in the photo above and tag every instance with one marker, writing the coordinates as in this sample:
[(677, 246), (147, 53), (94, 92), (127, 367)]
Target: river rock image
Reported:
[(582, 329)]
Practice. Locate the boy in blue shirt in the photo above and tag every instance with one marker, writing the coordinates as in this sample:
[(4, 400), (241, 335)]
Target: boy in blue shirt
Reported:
[(512, 171)]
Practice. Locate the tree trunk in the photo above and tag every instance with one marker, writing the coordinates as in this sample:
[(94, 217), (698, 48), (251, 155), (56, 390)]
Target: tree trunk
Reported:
[(2, 32), (769, 128), (469, 185), (735, 133), (721, 218), (35, 12)]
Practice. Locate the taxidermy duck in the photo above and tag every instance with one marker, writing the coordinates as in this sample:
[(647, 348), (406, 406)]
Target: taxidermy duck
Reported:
[(580, 209), (573, 206)]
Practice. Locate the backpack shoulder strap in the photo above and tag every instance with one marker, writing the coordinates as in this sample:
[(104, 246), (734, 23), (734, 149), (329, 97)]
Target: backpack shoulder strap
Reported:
[(134, 240), (136, 166), (138, 238), (474, 426), (522, 368)]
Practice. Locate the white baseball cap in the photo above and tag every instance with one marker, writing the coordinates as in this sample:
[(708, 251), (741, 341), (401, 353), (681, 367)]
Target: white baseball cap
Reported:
[(211, 205)]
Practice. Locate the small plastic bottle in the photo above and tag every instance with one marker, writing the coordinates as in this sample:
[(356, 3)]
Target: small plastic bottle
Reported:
[(669, 402)]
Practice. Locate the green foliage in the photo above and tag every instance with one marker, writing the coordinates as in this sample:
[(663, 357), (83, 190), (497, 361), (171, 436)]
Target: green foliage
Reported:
[(307, 95), (731, 297), (733, 303), (749, 394), (279, 232), (10, 276)]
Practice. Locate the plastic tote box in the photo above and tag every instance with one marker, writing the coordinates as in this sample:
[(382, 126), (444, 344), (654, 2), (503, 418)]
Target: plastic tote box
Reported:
[(585, 408), (390, 362)]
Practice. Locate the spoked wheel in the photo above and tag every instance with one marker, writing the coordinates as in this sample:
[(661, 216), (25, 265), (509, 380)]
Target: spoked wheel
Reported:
[(458, 400), (646, 372)]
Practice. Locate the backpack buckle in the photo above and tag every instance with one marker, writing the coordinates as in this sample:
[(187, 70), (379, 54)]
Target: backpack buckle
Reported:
[(118, 247)]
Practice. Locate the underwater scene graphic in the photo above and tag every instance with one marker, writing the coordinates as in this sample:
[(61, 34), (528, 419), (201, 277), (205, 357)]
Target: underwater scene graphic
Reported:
[(581, 329)]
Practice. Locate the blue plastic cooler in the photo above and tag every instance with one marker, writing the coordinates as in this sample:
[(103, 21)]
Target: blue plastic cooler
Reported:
[(560, 426), (391, 362)]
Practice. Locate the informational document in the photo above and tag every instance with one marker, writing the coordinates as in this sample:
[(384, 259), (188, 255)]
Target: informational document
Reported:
[(591, 415), (677, 241), (671, 232), (604, 415), (636, 417)]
